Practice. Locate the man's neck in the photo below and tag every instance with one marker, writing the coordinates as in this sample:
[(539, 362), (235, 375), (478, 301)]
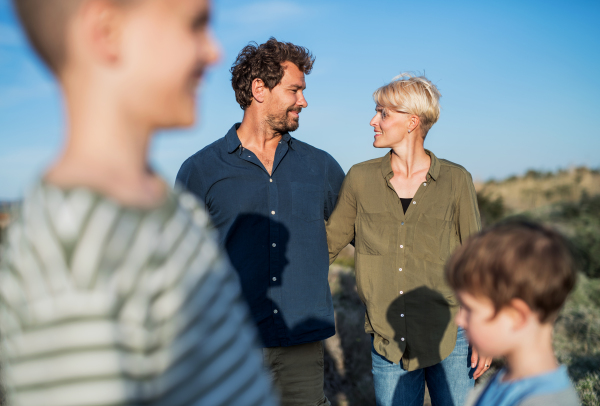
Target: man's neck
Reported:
[(107, 152), (255, 134)]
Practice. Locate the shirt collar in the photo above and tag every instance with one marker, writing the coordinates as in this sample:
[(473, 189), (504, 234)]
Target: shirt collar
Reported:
[(434, 167), (233, 141), (388, 173)]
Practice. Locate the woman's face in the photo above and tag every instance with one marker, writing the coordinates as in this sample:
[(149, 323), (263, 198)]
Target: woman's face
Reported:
[(391, 127)]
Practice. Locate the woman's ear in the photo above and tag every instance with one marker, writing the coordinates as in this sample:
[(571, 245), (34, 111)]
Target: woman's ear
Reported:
[(258, 90), (413, 122)]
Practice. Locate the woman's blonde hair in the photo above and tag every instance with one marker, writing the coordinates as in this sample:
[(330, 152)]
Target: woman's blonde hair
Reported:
[(411, 94)]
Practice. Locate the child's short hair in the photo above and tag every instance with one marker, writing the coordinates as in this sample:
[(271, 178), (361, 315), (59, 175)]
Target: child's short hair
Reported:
[(45, 23), (516, 259)]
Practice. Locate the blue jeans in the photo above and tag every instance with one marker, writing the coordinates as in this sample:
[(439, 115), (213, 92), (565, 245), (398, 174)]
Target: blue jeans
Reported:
[(448, 382)]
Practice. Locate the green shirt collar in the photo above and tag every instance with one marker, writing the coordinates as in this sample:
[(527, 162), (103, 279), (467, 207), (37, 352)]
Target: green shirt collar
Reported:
[(388, 173)]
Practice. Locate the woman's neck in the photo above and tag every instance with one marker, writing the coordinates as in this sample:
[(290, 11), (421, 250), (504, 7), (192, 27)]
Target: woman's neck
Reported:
[(409, 156)]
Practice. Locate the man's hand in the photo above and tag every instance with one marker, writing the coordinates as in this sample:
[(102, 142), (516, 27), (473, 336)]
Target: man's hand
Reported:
[(481, 363)]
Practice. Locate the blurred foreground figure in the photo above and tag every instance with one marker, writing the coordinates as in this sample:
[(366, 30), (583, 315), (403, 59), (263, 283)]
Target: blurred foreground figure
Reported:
[(512, 281), (112, 288)]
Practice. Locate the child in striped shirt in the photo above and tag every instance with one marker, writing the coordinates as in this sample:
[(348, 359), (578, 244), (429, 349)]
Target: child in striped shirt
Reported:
[(112, 288)]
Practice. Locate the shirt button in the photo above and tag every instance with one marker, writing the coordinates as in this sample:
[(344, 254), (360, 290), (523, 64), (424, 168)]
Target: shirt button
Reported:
[(400, 269), (414, 202), (274, 245), (270, 180), (402, 315), (424, 184), (402, 339), (401, 292), (402, 246), (274, 279), (273, 212), (402, 223), (275, 311)]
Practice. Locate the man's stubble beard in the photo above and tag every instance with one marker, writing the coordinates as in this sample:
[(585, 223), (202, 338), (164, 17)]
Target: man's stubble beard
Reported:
[(283, 124)]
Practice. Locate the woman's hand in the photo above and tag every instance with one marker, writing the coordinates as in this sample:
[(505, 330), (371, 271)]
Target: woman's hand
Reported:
[(481, 363)]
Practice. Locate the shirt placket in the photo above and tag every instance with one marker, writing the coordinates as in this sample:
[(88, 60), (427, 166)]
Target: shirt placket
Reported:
[(275, 255), (409, 223), (400, 268), (402, 235)]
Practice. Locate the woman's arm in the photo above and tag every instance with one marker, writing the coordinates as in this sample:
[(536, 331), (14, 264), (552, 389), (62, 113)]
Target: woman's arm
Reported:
[(340, 226), (469, 221)]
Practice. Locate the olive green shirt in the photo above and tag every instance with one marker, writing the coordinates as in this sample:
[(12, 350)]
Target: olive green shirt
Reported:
[(400, 257)]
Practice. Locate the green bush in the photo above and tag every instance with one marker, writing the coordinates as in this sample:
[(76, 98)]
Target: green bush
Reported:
[(491, 211), (582, 220)]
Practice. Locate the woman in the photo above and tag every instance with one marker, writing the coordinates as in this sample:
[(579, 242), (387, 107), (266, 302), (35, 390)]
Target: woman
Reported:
[(407, 211)]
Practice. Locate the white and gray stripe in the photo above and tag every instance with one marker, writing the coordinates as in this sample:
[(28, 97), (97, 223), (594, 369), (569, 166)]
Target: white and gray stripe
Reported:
[(103, 305)]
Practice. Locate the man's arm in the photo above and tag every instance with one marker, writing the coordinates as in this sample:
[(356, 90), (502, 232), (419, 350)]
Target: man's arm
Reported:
[(190, 177)]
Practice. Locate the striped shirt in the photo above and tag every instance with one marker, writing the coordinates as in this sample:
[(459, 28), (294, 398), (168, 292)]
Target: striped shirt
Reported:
[(102, 304)]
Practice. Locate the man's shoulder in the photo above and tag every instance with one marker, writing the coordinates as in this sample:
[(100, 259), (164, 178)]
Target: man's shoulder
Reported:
[(306, 148), (217, 146)]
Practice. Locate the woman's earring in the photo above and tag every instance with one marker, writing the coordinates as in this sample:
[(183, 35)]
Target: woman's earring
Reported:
[(409, 131)]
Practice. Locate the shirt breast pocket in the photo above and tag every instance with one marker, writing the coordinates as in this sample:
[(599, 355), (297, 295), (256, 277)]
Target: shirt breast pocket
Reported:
[(307, 202), (371, 233), (434, 239)]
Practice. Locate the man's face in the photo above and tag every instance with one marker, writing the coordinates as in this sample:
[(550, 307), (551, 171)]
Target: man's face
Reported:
[(166, 47), (286, 100)]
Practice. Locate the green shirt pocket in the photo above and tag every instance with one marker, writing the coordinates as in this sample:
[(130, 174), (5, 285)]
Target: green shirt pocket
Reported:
[(372, 237), (434, 239)]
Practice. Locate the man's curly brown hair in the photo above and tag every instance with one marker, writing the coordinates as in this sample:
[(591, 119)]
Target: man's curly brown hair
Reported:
[(264, 62)]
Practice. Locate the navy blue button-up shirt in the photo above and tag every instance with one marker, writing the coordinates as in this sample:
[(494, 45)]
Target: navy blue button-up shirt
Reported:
[(273, 228)]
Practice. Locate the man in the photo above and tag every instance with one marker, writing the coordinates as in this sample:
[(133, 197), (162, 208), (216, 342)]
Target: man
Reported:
[(269, 195)]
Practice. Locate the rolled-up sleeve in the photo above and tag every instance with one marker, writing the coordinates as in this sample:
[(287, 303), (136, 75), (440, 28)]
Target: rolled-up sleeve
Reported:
[(469, 221)]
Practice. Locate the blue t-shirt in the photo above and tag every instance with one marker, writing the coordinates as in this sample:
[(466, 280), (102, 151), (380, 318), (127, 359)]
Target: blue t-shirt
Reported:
[(511, 393)]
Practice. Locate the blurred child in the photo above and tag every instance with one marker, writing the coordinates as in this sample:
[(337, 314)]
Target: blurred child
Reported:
[(112, 288), (512, 281)]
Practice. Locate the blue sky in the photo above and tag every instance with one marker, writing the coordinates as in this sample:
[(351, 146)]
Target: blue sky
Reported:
[(519, 82)]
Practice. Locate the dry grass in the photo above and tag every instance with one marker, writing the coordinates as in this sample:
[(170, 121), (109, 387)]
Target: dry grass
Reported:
[(535, 189)]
